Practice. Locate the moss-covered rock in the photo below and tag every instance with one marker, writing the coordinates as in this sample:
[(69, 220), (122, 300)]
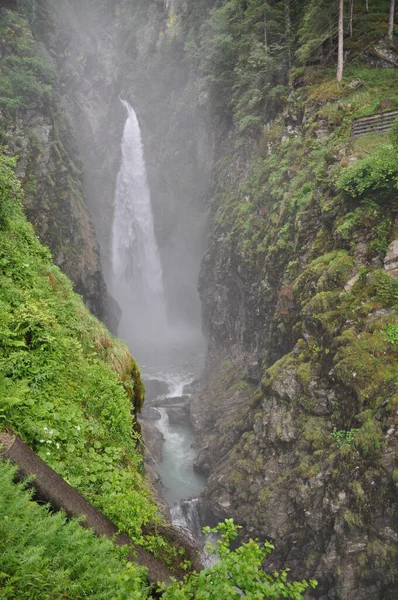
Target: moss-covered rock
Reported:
[(293, 280)]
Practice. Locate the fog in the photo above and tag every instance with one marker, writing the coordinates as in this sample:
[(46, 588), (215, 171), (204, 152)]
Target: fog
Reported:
[(147, 194)]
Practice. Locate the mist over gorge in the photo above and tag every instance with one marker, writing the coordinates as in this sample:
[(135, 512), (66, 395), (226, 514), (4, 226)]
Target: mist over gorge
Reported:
[(199, 161)]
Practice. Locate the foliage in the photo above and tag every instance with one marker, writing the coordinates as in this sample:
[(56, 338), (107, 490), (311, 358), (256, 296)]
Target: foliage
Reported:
[(27, 72), (343, 436), (10, 191), (377, 172), (237, 573), (242, 52), (67, 386), (390, 333), (45, 556), (317, 31), (384, 288)]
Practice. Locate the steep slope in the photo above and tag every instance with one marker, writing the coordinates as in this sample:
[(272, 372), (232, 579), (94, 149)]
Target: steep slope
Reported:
[(64, 559), (67, 387), (297, 423), (72, 392)]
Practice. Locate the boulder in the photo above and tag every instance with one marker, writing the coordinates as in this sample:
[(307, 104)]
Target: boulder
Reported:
[(151, 413), (166, 402), (391, 259), (178, 415), (155, 388)]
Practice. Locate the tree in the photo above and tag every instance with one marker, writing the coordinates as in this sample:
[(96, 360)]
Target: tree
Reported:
[(391, 20), (340, 48), (350, 16)]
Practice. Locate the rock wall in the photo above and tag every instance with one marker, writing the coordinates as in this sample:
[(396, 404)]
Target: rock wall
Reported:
[(34, 126), (297, 425)]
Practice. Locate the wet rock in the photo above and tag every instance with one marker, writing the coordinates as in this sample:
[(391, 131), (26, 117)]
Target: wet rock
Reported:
[(165, 402), (153, 440), (151, 413), (178, 415), (155, 388), (391, 259), (192, 387)]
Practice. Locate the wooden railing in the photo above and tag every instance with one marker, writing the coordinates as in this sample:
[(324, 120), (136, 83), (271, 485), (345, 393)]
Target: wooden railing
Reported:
[(378, 123)]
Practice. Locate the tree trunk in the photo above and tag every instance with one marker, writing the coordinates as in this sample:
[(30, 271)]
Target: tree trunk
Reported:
[(288, 29), (265, 29), (350, 16), (340, 49), (367, 5), (391, 20)]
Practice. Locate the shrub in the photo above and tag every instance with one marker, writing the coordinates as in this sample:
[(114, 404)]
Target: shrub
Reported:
[(377, 172), (237, 573)]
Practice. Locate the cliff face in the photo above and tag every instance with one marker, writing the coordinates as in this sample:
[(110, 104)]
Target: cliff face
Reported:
[(104, 53), (298, 424), (34, 126)]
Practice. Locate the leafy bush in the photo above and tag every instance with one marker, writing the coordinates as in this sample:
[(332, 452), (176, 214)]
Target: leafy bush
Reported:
[(237, 573), (343, 436), (377, 172), (384, 288), (390, 333)]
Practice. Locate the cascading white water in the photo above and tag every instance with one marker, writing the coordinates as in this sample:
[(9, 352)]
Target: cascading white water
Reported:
[(137, 272), (137, 286)]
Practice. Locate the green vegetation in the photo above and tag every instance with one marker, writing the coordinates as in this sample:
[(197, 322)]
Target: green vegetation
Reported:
[(303, 215), (27, 73), (302, 218), (237, 573), (344, 437), (45, 556), (68, 388), (34, 127)]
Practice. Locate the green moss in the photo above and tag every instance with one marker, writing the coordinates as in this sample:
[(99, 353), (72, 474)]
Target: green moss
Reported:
[(304, 373)]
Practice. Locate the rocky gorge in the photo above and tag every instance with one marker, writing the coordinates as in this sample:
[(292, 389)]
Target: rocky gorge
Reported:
[(288, 222)]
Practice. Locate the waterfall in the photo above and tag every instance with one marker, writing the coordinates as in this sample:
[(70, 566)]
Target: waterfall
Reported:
[(136, 268), (185, 517)]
